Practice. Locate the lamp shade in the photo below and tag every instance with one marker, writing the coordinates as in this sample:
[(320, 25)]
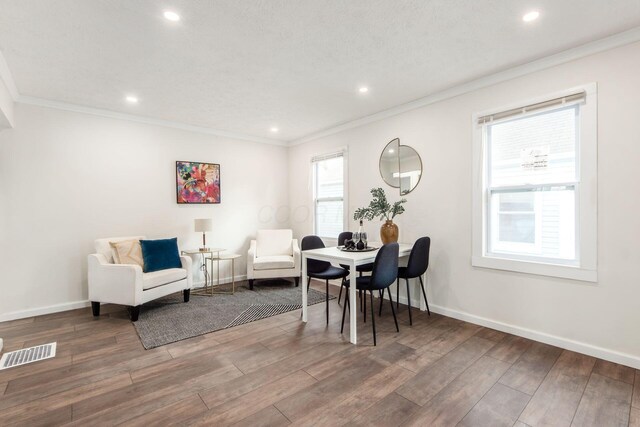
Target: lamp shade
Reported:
[(203, 224)]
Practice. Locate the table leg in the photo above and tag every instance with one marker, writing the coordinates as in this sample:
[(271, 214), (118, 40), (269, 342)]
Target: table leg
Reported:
[(205, 269), (353, 303), (304, 287), (218, 267), (233, 276)]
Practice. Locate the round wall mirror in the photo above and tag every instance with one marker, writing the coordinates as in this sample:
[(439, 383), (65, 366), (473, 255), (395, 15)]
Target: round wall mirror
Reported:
[(389, 163), (400, 166)]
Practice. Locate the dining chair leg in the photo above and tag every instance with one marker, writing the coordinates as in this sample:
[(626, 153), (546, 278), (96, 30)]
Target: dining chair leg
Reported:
[(344, 311), (360, 297), (364, 312), (397, 294), (393, 311), (381, 301), (308, 283), (373, 318), (327, 289), (409, 303), (425, 295), (340, 294)]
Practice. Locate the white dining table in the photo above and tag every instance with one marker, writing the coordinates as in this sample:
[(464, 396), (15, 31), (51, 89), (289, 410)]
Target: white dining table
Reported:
[(352, 259)]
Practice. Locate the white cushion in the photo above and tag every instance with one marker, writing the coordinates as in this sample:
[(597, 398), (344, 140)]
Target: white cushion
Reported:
[(127, 252), (162, 277), (274, 242), (103, 247), (274, 262)]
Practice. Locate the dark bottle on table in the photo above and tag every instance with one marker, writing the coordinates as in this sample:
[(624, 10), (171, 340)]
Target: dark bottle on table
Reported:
[(360, 244)]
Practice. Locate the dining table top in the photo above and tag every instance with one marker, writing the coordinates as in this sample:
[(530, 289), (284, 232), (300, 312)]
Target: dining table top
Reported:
[(333, 252)]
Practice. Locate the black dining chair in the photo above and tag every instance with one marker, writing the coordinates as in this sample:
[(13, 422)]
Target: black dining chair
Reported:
[(416, 267), (385, 272), (365, 268), (322, 270)]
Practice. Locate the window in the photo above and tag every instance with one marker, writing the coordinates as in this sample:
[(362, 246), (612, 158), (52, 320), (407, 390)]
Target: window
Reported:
[(534, 202), (328, 195)]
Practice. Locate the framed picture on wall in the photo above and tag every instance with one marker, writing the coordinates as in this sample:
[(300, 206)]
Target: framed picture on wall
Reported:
[(197, 183)]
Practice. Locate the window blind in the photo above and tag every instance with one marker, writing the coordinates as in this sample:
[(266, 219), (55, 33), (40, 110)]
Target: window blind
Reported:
[(564, 100), (328, 156)]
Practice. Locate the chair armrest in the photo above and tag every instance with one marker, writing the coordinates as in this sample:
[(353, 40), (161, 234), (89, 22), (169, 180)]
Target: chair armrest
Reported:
[(187, 262), (251, 254), (114, 283), (297, 257)]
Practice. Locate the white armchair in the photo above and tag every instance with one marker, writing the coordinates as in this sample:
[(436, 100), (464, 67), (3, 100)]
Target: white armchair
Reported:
[(126, 284), (273, 254)]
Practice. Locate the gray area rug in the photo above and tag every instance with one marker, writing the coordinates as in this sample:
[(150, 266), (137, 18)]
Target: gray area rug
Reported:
[(169, 319)]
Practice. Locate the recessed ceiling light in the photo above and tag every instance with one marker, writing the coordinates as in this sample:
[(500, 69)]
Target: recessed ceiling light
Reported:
[(274, 129), (531, 16), (391, 150), (171, 16), (363, 89), (132, 99)]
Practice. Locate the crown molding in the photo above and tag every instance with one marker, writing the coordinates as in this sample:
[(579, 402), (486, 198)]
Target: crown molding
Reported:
[(46, 103), (611, 42), (608, 43), (7, 78)]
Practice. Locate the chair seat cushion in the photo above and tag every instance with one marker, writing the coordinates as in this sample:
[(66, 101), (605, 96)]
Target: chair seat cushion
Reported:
[(362, 283), (403, 273), (162, 277), (364, 267), (273, 262), (330, 273)]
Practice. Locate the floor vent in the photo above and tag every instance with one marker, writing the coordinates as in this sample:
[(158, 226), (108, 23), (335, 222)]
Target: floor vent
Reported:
[(27, 355)]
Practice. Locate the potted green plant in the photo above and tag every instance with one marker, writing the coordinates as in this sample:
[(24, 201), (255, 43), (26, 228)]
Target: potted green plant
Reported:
[(379, 207)]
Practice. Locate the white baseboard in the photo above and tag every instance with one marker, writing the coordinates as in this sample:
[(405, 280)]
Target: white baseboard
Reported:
[(579, 347), (21, 314), (568, 344)]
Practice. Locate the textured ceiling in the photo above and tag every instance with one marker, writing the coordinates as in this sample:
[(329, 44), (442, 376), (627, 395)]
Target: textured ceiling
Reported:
[(244, 66)]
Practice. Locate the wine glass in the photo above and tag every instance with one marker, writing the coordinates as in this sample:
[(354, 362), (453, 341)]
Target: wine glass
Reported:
[(363, 237), (356, 237)]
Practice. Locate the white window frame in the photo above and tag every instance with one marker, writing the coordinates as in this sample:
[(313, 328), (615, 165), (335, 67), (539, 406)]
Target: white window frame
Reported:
[(331, 241), (586, 193)]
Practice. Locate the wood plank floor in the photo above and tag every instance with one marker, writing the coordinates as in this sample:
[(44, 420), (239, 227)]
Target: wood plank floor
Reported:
[(279, 371)]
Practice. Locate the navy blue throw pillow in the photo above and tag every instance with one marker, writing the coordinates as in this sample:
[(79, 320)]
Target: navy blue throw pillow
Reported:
[(160, 254)]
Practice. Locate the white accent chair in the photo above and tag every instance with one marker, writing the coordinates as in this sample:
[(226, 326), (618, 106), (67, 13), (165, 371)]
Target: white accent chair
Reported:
[(273, 254), (126, 284)]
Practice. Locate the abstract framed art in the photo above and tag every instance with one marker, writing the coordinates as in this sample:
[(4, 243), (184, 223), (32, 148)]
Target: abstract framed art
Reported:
[(197, 183)]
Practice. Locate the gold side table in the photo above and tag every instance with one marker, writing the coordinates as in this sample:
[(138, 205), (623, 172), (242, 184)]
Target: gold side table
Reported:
[(218, 258), (208, 279)]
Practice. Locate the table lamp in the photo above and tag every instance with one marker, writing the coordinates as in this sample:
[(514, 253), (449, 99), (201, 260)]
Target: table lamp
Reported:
[(203, 225)]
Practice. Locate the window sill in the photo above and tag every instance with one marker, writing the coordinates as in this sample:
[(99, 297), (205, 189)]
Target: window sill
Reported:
[(541, 269)]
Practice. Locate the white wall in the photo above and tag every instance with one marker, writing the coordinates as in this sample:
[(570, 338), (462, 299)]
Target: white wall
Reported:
[(600, 319), (7, 94), (68, 178), (6, 106)]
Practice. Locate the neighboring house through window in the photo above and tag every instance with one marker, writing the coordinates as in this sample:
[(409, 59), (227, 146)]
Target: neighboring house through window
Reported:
[(535, 190)]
